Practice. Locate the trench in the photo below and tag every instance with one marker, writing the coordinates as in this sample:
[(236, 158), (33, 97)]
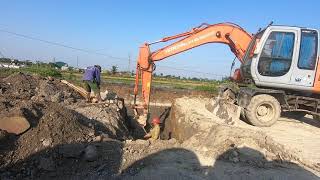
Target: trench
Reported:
[(136, 131)]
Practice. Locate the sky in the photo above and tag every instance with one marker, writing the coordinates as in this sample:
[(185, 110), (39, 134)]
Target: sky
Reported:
[(116, 29)]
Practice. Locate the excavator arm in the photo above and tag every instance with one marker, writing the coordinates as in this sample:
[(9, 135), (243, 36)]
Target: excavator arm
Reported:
[(227, 33)]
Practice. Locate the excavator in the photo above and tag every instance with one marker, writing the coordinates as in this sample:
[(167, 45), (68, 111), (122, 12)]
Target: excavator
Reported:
[(279, 70)]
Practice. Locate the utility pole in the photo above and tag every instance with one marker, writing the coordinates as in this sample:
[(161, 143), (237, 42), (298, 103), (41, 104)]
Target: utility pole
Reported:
[(129, 62), (1, 54), (77, 62)]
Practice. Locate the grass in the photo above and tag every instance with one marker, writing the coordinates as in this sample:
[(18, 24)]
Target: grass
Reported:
[(208, 86), (42, 70), (75, 77)]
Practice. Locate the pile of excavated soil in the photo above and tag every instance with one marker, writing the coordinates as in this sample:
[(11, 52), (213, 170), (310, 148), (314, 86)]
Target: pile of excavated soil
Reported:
[(209, 136), (61, 142), (52, 125), (111, 121), (22, 86)]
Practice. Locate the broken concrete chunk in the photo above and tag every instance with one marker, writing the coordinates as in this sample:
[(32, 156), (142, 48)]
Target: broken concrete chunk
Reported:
[(47, 142)]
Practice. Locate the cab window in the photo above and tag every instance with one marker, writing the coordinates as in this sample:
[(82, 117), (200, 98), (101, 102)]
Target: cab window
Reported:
[(276, 55), (308, 50)]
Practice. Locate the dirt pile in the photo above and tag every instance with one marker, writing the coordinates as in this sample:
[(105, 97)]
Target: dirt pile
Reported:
[(112, 121), (61, 141), (209, 136), (22, 86), (51, 125)]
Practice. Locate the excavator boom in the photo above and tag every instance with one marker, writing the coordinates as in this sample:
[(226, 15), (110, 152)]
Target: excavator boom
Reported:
[(226, 33)]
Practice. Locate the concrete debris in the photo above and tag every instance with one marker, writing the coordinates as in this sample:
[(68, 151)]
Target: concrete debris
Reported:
[(46, 142)]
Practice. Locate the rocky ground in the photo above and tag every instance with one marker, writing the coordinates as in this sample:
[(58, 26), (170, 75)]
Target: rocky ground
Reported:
[(70, 139)]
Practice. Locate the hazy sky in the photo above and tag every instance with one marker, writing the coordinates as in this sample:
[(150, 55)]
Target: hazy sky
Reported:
[(118, 27)]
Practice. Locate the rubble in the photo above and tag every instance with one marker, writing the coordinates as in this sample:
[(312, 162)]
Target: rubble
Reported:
[(57, 131)]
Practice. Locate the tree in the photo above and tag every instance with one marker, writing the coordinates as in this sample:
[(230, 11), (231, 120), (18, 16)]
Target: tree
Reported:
[(114, 70)]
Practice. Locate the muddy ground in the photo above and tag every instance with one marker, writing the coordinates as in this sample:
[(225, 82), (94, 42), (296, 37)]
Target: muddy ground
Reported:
[(70, 139)]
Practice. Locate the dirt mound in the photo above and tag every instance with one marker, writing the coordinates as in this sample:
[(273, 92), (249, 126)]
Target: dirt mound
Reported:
[(51, 125), (61, 141), (209, 136), (22, 86), (111, 120), (58, 125)]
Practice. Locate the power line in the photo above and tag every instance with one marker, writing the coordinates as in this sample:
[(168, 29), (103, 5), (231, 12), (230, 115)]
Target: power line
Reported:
[(62, 45), (1, 55), (188, 70), (95, 52)]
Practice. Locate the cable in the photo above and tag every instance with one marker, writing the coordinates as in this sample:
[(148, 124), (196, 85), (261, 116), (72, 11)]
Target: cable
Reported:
[(94, 52), (62, 45), (188, 70), (2, 55)]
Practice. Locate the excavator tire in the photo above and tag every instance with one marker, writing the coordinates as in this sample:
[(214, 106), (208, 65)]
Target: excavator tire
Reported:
[(263, 110)]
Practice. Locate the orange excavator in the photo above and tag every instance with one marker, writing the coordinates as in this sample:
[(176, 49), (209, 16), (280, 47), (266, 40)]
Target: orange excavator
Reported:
[(280, 61)]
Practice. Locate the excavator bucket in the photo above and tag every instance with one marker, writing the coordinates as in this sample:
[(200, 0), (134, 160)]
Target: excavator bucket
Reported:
[(225, 110), (14, 124)]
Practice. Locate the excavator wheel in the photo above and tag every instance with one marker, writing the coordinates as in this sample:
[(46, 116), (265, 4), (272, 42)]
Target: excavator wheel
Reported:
[(263, 110)]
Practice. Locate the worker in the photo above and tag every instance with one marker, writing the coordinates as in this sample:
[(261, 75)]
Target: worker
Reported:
[(91, 80), (155, 131)]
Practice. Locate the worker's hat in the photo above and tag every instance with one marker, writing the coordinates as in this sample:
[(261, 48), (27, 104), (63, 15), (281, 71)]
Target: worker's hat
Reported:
[(156, 120)]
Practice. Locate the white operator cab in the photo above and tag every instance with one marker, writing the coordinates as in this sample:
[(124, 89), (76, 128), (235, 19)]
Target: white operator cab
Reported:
[(286, 58)]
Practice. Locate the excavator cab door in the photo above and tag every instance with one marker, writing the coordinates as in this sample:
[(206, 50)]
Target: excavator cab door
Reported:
[(274, 56), (286, 58), (305, 67)]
